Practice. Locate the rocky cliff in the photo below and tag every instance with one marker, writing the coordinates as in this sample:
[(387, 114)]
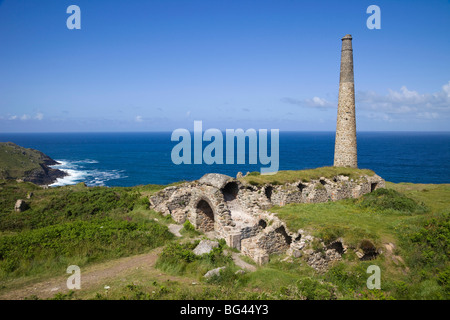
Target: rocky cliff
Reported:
[(26, 164)]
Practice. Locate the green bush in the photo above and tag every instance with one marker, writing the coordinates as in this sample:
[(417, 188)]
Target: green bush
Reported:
[(313, 289), (179, 259), (188, 226), (189, 230), (177, 252), (432, 240), (389, 199), (228, 277), (345, 278)]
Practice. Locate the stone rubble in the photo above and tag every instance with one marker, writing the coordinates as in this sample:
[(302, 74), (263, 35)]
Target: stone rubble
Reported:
[(20, 206), (213, 272)]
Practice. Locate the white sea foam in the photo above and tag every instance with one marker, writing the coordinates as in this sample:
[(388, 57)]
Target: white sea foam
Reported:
[(85, 161), (76, 173), (73, 177)]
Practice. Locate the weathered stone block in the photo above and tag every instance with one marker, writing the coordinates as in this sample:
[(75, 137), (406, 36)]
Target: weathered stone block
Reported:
[(205, 246)]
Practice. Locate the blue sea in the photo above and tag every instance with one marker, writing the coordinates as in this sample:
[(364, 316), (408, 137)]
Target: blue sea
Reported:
[(129, 159)]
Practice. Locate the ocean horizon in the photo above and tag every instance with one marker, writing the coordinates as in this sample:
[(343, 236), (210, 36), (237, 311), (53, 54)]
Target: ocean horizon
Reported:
[(136, 158)]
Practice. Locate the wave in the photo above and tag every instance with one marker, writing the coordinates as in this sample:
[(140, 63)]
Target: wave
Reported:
[(77, 173), (90, 161)]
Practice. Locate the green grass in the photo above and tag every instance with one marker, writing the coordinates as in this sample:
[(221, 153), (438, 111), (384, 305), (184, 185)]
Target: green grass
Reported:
[(16, 162), (84, 226), (188, 230), (167, 290), (179, 259), (374, 216), (416, 218), (74, 225), (68, 203), (290, 176), (79, 242)]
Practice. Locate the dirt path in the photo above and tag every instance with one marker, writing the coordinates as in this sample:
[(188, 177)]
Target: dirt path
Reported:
[(91, 277), (96, 276), (241, 263)]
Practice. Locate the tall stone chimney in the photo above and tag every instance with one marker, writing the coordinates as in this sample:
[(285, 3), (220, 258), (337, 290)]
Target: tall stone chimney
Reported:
[(345, 154)]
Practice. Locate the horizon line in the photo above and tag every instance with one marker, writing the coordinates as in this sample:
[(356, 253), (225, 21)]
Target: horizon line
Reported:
[(223, 130)]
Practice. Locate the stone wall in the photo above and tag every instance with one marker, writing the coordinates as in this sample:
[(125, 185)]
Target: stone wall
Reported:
[(237, 212), (324, 189), (250, 248), (274, 241)]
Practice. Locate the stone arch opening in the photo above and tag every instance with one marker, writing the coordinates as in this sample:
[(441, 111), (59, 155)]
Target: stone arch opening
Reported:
[(262, 223), (322, 182), (337, 245), (230, 191), (281, 230), (373, 186), (268, 192), (369, 249), (301, 186), (205, 216)]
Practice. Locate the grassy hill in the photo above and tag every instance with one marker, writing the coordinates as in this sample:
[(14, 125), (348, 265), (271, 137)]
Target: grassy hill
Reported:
[(94, 227), (26, 164)]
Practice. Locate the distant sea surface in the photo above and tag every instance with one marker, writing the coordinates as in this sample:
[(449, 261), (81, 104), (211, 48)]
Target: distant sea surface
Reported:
[(129, 159)]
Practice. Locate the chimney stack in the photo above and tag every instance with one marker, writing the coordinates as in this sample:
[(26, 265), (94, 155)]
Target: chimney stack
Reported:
[(345, 153)]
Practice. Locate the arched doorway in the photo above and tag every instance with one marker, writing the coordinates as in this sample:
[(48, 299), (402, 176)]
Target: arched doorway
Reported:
[(205, 216), (230, 191)]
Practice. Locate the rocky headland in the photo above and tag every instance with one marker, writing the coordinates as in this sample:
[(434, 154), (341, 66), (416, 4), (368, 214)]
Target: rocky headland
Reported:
[(27, 164)]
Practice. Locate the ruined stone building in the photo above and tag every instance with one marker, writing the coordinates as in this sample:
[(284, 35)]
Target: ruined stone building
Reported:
[(227, 208)]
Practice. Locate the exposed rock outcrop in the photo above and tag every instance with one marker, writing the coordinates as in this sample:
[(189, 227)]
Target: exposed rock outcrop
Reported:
[(20, 206), (28, 165), (213, 272)]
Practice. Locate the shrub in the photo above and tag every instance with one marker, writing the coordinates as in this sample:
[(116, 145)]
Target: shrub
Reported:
[(444, 280), (389, 199), (345, 279), (188, 226), (176, 252), (179, 258), (313, 289), (228, 277), (432, 240)]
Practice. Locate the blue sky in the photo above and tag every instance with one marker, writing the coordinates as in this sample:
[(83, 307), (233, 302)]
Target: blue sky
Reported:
[(160, 65)]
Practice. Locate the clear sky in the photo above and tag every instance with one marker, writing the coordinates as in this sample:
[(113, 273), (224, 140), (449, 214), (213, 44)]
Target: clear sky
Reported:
[(159, 65)]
